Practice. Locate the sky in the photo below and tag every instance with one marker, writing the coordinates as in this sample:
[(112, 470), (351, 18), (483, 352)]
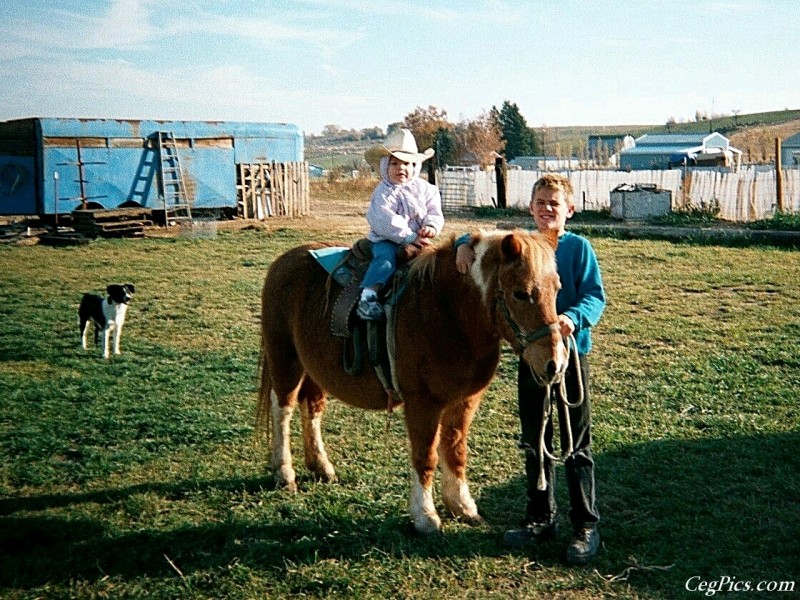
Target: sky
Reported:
[(358, 65)]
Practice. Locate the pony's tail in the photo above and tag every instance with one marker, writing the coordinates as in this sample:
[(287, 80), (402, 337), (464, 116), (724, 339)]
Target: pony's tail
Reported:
[(264, 406)]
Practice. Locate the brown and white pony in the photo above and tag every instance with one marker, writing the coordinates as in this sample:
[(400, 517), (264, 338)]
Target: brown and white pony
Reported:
[(448, 333)]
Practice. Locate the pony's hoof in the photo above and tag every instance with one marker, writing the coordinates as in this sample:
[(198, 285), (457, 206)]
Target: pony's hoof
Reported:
[(325, 477), (287, 487), (472, 520), (428, 526)]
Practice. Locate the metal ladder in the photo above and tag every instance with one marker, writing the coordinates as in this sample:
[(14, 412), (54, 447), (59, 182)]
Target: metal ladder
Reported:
[(173, 185)]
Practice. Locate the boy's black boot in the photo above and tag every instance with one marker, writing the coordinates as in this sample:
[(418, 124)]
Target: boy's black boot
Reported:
[(584, 546), (530, 535)]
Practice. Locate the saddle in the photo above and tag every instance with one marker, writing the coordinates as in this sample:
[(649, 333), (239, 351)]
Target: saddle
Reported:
[(347, 267)]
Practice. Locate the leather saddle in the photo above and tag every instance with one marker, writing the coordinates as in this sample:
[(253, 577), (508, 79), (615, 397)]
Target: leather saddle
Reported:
[(347, 267)]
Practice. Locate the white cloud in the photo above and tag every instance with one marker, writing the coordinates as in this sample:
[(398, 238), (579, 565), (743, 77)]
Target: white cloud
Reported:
[(125, 25)]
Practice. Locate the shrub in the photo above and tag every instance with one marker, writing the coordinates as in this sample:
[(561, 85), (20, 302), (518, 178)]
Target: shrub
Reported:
[(704, 214), (780, 221)]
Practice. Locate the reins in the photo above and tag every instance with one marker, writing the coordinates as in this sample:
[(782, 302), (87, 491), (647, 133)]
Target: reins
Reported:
[(524, 339), (560, 390)]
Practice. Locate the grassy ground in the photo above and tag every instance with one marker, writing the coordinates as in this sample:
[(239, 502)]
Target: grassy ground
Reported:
[(138, 477)]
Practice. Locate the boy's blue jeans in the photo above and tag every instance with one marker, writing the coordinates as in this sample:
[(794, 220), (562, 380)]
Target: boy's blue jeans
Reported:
[(579, 466), (383, 264)]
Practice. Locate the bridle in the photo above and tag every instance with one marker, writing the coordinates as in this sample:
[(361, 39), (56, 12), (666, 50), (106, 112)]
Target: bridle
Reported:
[(524, 338)]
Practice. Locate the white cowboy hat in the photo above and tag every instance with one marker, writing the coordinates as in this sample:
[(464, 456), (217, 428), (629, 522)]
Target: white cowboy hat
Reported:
[(401, 144)]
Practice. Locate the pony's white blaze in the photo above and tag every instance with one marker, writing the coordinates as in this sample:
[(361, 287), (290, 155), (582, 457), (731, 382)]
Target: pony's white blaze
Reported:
[(476, 270), (423, 512), (456, 496), (281, 438)]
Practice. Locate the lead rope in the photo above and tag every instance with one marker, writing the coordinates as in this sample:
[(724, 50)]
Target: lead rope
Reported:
[(547, 416)]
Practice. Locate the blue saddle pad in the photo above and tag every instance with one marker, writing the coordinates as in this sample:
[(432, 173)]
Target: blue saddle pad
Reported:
[(331, 258)]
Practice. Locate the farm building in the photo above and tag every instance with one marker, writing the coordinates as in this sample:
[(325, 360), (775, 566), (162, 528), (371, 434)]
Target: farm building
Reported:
[(51, 166), (668, 150), (790, 152), (605, 149)]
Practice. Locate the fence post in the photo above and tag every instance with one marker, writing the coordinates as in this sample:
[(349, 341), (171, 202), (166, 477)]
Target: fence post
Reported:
[(778, 174), (500, 175)]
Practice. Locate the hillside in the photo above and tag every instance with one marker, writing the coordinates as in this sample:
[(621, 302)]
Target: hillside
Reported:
[(754, 134)]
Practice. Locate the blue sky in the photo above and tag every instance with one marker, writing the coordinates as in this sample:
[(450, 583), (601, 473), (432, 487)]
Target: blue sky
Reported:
[(362, 64)]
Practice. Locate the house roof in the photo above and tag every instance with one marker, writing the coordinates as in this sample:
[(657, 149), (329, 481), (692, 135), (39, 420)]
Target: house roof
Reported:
[(792, 140), (662, 149), (134, 128), (672, 139)]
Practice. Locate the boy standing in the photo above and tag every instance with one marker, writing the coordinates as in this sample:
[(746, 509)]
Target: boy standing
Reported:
[(580, 303)]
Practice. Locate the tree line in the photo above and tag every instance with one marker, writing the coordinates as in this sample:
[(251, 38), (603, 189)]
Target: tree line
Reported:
[(498, 132)]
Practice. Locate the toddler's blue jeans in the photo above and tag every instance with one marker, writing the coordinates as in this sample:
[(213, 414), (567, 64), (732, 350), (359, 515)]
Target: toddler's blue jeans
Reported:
[(383, 264)]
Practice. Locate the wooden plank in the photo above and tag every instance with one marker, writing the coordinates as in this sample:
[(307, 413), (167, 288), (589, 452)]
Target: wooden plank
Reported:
[(289, 189), (262, 191), (285, 180), (112, 213), (243, 188)]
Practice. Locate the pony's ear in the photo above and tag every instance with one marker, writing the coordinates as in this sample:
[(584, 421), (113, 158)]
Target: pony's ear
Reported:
[(511, 247)]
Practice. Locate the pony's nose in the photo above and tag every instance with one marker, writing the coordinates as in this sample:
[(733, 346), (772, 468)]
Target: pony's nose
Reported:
[(551, 370)]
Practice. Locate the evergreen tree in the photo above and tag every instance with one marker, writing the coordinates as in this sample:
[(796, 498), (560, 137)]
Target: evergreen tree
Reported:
[(519, 138), (446, 147)]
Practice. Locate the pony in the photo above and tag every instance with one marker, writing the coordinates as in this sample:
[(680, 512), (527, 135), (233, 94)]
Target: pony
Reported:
[(449, 329)]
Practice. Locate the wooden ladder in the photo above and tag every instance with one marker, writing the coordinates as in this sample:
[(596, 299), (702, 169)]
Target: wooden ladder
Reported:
[(173, 185)]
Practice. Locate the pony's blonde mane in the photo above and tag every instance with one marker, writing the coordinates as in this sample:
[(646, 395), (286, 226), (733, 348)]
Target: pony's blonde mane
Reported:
[(543, 255), (423, 266)]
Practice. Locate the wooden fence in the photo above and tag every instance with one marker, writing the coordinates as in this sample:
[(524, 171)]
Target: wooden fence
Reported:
[(748, 195), (273, 189)]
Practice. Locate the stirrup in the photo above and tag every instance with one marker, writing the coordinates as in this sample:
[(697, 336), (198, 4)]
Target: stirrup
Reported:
[(370, 310)]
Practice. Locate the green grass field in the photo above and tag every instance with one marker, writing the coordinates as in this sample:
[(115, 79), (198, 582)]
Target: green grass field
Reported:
[(138, 477)]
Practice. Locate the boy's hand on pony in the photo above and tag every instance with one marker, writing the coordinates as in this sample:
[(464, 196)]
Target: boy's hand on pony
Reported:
[(465, 256)]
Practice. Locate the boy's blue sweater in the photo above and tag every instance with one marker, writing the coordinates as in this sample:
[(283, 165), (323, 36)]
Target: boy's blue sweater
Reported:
[(582, 297)]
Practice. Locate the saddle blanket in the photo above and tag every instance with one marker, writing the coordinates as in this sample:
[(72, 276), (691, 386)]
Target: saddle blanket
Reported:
[(332, 260)]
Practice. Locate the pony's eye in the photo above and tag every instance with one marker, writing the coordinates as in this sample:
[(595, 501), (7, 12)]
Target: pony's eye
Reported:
[(523, 297)]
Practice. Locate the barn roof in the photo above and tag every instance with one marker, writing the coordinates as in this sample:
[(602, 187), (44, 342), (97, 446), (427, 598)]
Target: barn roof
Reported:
[(661, 149), (672, 139), (68, 127), (792, 140)]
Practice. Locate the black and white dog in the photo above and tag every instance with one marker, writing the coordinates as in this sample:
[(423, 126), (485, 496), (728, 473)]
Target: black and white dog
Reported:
[(107, 314)]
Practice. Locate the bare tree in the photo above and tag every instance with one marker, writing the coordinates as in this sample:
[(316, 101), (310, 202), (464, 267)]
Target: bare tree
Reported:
[(424, 123), (480, 139)]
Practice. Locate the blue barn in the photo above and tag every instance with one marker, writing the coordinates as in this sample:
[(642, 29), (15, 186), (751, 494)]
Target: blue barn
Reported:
[(52, 166), (790, 152), (668, 150)]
